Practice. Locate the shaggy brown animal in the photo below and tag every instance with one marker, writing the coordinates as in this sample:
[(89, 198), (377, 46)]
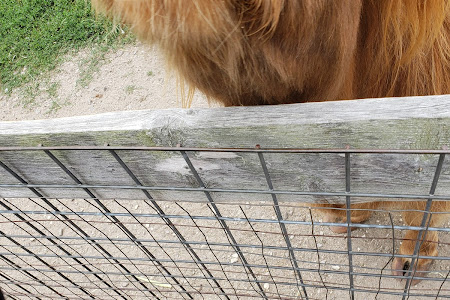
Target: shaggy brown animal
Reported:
[(256, 52)]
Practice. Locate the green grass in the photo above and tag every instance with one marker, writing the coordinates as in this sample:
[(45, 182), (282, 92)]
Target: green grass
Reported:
[(129, 89), (35, 35), (52, 89)]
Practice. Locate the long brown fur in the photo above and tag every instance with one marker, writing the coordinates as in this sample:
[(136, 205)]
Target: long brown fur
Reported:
[(255, 52)]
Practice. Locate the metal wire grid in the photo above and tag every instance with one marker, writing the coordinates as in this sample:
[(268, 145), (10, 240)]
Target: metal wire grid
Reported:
[(95, 248)]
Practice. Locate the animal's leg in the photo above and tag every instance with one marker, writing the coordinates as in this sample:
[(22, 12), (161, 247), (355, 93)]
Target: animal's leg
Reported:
[(428, 240), (335, 213), (428, 247)]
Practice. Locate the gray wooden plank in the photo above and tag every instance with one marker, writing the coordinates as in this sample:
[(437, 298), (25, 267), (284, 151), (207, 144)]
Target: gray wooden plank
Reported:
[(391, 123)]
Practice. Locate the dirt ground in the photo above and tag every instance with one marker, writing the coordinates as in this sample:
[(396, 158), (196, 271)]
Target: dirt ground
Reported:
[(134, 78), (131, 78)]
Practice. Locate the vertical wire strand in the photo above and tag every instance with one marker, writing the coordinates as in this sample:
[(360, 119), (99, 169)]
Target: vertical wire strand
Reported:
[(211, 250), (318, 254), (224, 225), (262, 250), (442, 284), (422, 233), (283, 226), (349, 228), (390, 259)]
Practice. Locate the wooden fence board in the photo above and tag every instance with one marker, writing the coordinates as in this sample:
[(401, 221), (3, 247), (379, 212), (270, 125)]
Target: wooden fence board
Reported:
[(419, 123)]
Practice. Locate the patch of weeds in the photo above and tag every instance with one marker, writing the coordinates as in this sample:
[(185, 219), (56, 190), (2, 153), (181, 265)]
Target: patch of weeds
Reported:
[(55, 106), (29, 94), (130, 89), (30, 91), (150, 73), (52, 89), (89, 65)]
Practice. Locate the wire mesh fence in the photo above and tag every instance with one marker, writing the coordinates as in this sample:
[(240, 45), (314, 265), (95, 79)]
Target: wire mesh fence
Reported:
[(71, 229)]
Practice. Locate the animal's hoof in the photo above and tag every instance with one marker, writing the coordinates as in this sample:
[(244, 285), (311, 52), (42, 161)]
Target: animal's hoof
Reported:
[(341, 229), (401, 267), (428, 247), (337, 229)]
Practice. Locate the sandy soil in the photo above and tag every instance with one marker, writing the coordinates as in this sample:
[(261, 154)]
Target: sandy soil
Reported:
[(131, 78), (134, 78)]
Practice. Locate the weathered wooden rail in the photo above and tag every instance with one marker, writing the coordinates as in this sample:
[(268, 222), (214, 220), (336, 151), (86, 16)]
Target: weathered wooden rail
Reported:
[(414, 123)]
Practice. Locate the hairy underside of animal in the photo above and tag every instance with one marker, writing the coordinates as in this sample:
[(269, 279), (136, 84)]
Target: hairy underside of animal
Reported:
[(257, 52)]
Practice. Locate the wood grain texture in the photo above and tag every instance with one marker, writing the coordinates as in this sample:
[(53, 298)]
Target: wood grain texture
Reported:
[(421, 123)]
